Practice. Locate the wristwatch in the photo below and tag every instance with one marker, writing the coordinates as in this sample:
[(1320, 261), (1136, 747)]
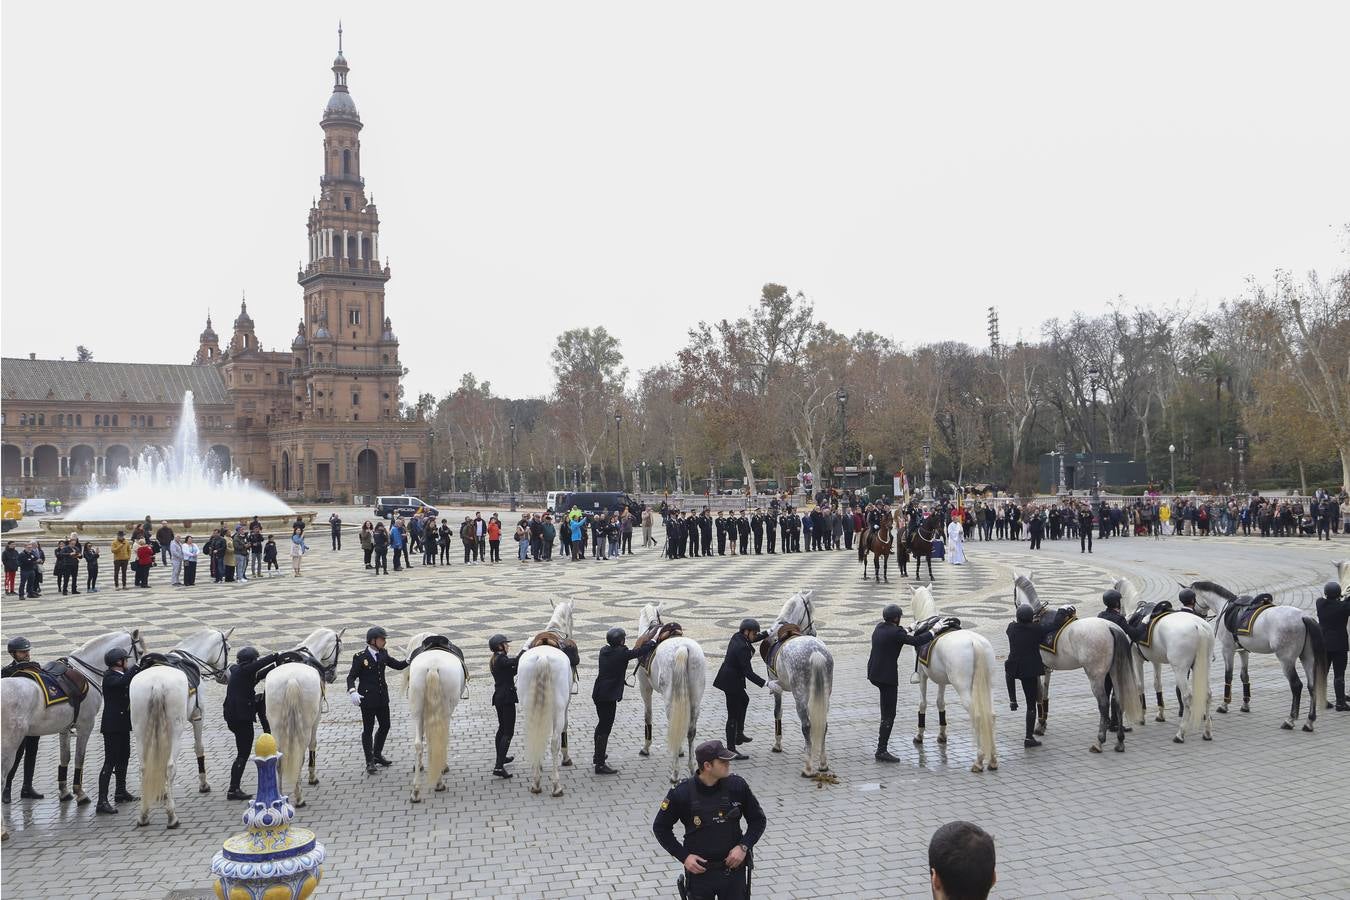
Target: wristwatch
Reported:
[(744, 849)]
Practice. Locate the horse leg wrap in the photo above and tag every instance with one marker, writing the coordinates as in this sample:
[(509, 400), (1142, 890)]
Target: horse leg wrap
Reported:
[(1160, 699), (1181, 704), (62, 774), (778, 728), (647, 732), (201, 765), (923, 720), (78, 783), (564, 743), (942, 718), (313, 758), (1246, 691), (1227, 691)]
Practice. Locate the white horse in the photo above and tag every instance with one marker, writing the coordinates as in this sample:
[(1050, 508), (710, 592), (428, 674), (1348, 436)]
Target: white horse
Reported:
[(295, 697), (1186, 643), (544, 682), (1102, 650), (964, 660), (676, 670), (1282, 630), (805, 667), (163, 700), (24, 710), (433, 683)]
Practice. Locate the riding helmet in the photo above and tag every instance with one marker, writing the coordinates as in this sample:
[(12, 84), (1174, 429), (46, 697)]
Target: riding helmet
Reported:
[(1111, 599), (19, 642), (615, 636), (376, 632), (114, 656), (498, 641), (1331, 591), (749, 625), (1025, 613), (246, 655), (1264, 598), (892, 613), (1187, 596)]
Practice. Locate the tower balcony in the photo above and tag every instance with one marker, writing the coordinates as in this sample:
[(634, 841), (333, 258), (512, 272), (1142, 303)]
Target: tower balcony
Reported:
[(338, 265), (355, 180)]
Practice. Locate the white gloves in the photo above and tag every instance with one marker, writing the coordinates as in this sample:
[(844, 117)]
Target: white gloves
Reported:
[(775, 687), (356, 698)]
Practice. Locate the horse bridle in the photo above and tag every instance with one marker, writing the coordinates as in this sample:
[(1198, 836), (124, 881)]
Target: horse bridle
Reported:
[(136, 654), (327, 673), (204, 667)]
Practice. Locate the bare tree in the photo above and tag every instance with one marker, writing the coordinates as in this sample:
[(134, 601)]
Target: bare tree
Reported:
[(590, 381)]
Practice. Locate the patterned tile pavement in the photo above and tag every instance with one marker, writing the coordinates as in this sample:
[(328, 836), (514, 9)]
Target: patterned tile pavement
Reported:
[(1159, 820)]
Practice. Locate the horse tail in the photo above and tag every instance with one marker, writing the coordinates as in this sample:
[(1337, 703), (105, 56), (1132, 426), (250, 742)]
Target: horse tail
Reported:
[(677, 725), (294, 736), (1319, 649), (156, 744), (982, 700), (818, 703), (1195, 716), (539, 721), (1122, 677), (435, 726)]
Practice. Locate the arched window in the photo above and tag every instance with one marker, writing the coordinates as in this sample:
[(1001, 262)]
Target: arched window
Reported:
[(346, 162), (114, 419), (60, 420), (98, 420), (149, 421), (79, 420), (42, 420)]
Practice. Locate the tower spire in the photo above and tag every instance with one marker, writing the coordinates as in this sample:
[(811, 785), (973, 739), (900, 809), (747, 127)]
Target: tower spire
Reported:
[(339, 36)]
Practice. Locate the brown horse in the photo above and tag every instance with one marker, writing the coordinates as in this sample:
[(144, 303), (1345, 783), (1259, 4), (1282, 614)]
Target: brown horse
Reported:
[(919, 544), (877, 543)]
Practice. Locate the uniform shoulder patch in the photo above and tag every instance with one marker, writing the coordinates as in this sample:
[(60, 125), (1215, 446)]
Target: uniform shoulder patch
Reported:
[(665, 804)]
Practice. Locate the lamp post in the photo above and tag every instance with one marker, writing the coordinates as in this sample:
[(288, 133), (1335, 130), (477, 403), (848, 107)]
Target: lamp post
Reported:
[(557, 476), (1232, 473), (679, 468), (1172, 458), (1242, 462), (712, 476), (842, 397), (663, 475), (1093, 374), (618, 449), (1059, 452), (871, 472), (513, 466), (751, 478), (927, 468)]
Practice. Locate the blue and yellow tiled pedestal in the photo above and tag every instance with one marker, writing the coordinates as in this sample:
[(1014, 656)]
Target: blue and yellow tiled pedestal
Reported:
[(271, 860)]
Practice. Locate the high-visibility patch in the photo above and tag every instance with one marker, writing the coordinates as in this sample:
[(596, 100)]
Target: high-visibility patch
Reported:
[(665, 804)]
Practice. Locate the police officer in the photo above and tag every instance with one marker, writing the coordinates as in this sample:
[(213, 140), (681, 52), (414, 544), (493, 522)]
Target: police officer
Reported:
[(715, 853), (21, 649), (116, 730), (366, 687), (771, 524), (242, 707), (608, 690), (1085, 529), (504, 698), (888, 638), (1332, 612), (1187, 600), (731, 678)]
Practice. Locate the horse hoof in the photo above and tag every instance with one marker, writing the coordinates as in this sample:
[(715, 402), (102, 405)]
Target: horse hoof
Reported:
[(439, 788), (172, 825), (1287, 726), (918, 740), (567, 762), (414, 799), (1222, 709), (86, 800), (1245, 708), (312, 781), (1158, 718), (993, 765), (942, 739), (806, 774), (1308, 728), (824, 768), (1178, 739), (977, 768), (1040, 730), (644, 753), (1120, 748), (1206, 737), (1095, 748), (301, 804), (557, 792), (776, 749), (204, 789), (536, 790), (67, 797), (141, 823)]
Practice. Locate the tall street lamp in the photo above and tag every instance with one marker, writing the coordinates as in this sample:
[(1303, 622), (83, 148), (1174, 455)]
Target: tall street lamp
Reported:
[(927, 468), (513, 466), (1059, 452), (1172, 458), (663, 475), (618, 448), (1093, 374), (752, 477), (1242, 463), (842, 397), (712, 476), (679, 469)]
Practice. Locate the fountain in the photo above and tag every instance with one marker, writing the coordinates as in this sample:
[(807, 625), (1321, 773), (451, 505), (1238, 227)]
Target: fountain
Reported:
[(179, 485)]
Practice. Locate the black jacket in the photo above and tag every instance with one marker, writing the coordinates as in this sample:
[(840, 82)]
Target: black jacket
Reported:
[(503, 669), (613, 664), (887, 642), (11, 559), (720, 838), (1024, 649), (1332, 616), (736, 668), (241, 690), (367, 675), (1134, 633), (117, 701)]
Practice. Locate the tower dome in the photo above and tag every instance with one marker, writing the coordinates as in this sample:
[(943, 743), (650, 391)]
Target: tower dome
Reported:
[(299, 342), (209, 334)]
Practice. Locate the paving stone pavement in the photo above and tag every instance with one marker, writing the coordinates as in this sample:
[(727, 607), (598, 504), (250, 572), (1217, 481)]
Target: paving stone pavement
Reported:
[(1158, 820)]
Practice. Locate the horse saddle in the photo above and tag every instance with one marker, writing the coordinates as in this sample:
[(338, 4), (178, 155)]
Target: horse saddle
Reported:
[(659, 632), (187, 667), (1161, 611), (57, 682), (769, 647), (1240, 620), (550, 639), (1064, 617), (937, 626), (440, 642)]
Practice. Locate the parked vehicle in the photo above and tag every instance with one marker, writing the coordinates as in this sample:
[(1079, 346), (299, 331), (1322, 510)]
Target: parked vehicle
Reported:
[(596, 501), (392, 507)]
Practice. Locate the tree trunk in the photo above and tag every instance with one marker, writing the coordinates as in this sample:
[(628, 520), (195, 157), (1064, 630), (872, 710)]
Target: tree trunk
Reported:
[(749, 470), (1345, 468), (1302, 479)]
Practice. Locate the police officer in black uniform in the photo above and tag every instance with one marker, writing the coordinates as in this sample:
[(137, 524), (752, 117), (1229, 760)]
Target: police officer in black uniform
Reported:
[(116, 730), (21, 649), (241, 707), (504, 698), (366, 687), (770, 524), (888, 638), (1333, 610), (721, 527), (715, 853), (1085, 529), (731, 678), (608, 690)]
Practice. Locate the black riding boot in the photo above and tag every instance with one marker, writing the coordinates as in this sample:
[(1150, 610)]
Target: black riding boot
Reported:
[(883, 753), (123, 795), (103, 805)]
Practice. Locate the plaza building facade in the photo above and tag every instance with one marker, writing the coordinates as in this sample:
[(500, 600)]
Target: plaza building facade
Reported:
[(320, 422)]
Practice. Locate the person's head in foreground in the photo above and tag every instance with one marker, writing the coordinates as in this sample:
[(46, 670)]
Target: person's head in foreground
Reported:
[(961, 862)]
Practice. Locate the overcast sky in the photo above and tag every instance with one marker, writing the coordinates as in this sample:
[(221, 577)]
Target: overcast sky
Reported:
[(542, 166)]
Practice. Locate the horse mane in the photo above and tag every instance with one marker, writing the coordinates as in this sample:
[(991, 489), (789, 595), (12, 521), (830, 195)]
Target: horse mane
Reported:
[(645, 622), (924, 604), (1213, 588), (1129, 596), (1343, 575), (1022, 585), (90, 645), (556, 623)]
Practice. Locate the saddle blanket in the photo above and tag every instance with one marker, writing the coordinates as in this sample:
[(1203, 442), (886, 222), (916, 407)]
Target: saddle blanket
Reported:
[(1051, 644), (1147, 640), (54, 690), (926, 651), (1242, 620), (939, 549), (189, 669)]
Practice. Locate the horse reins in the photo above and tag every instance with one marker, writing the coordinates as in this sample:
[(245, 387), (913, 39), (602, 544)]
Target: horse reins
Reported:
[(97, 684)]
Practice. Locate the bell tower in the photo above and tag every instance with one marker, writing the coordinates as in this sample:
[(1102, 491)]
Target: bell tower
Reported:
[(346, 364)]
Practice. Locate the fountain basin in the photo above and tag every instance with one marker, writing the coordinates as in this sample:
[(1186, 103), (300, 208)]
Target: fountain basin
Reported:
[(60, 527)]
